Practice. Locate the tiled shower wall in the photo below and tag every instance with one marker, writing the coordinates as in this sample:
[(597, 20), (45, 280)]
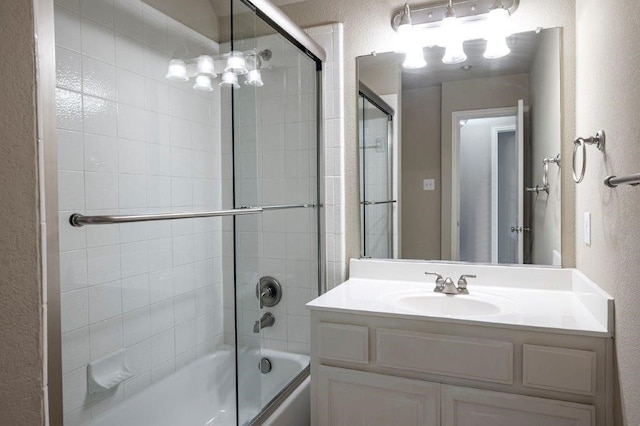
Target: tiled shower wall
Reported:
[(131, 142)]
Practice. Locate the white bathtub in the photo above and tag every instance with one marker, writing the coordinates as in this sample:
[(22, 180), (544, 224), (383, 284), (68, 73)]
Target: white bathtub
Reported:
[(203, 393)]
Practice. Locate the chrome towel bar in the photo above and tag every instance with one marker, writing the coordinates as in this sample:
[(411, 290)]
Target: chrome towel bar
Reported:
[(614, 181), (373, 203), (79, 220)]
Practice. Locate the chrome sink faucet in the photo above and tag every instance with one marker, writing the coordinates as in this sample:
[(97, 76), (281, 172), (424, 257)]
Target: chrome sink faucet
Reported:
[(446, 286)]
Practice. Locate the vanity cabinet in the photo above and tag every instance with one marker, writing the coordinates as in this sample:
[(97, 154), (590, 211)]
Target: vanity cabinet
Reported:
[(382, 370)]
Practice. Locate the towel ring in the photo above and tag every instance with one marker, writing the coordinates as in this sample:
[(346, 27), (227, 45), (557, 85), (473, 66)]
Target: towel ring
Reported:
[(598, 140)]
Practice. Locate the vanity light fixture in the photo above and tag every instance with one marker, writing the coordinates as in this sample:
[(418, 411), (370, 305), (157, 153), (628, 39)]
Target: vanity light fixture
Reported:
[(454, 53), (462, 21), (254, 76), (414, 58)]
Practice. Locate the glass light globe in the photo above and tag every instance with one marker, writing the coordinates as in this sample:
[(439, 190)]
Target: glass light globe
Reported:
[(254, 78), (236, 63), (177, 70), (229, 79), (496, 48), (414, 59), (203, 83), (205, 66)]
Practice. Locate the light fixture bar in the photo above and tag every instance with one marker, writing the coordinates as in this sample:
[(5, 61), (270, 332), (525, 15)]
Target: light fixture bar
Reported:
[(434, 13)]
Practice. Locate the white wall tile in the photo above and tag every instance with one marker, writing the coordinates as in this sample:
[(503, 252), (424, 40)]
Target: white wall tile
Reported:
[(135, 292), (75, 349), (132, 157), (74, 308), (136, 326), (105, 301), (129, 54), (101, 190), (100, 11), (134, 259), (70, 190), (103, 264), (67, 29), (130, 88), (99, 116), (98, 78), (106, 337), (132, 191), (69, 110), (162, 316), (162, 347), (98, 41), (68, 69)]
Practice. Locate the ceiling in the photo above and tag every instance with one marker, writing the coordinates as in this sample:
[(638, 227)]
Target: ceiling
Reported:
[(523, 48)]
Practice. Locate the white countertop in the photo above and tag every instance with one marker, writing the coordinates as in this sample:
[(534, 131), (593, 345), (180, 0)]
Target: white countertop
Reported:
[(564, 300)]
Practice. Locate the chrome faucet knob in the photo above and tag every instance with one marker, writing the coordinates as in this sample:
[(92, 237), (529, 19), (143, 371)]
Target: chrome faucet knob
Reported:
[(439, 281), (462, 283)]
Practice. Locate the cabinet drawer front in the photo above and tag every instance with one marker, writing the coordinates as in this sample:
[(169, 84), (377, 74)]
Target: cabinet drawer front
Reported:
[(344, 343), (465, 357), (559, 369)]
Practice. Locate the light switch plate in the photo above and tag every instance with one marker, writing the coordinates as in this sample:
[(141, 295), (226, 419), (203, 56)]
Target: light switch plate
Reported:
[(587, 228), (429, 185)]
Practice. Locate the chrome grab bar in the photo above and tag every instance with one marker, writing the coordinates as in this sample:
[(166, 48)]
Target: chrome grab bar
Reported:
[(613, 181), (373, 203), (79, 220)]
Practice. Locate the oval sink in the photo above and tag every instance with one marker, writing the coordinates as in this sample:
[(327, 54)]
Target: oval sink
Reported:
[(440, 304)]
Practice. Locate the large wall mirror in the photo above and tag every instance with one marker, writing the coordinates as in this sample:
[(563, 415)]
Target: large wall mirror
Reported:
[(462, 162)]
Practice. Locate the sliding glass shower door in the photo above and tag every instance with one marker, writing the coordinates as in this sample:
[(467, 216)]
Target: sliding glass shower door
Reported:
[(376, 190), (275, 152)]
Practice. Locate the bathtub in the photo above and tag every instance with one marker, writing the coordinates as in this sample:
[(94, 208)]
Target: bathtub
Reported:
[(203, 392)]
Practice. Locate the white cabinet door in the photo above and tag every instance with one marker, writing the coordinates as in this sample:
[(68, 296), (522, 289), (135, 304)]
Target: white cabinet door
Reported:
[(356, 398), (474, 407)]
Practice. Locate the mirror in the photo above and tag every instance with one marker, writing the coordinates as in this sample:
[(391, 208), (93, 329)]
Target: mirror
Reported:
[(461, 162)]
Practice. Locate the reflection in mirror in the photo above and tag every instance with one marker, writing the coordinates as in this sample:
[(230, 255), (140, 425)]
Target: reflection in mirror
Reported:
[(461, 162)]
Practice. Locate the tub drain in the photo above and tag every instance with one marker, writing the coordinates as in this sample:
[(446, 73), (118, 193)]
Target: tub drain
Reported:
[(264, 365)]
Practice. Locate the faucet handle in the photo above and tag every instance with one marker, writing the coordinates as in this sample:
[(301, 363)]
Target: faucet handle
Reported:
[(462, 283), (439, 281)]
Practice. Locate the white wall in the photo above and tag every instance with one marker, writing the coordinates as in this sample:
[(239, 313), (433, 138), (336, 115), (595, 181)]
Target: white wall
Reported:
[(608, 87), (546, 128), (130, 141)]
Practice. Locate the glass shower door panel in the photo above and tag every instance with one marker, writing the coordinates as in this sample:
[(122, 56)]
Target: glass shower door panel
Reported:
[(275, 151), (376, 169)]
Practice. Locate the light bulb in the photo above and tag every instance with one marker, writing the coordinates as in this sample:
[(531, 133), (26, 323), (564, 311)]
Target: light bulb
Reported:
[(205, 66), (177, 70), (236, 63), (203, 83), (254, 78), (229, 79), (496, 48), (454, 53), (414, 58)]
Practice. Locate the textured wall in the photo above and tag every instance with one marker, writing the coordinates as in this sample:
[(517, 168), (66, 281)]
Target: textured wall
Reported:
[(608, 87), (21, 350), (367, 29)]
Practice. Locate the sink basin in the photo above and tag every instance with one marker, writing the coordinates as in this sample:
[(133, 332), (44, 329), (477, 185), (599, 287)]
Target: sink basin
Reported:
[(443, 305)]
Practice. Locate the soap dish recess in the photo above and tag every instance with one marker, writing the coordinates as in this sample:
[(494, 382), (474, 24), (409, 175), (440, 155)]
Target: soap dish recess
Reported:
[(108, 372)]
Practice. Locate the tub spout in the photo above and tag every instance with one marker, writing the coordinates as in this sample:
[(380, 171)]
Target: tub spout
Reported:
[(267, 320)]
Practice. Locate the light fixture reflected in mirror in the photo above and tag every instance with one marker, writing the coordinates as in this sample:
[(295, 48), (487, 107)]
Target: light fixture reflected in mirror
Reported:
[(497, 32), (205, 66), (177, 70), (229, 79), (203, 84), (254, 78), (236, 64)]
